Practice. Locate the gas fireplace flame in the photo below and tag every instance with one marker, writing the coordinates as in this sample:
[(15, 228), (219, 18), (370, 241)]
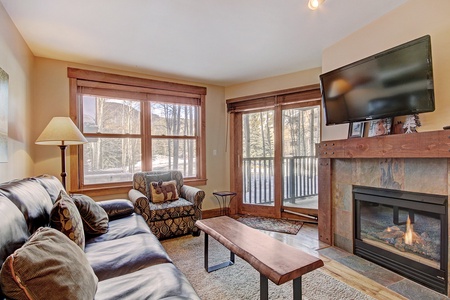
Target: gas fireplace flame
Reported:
[(409, 232)]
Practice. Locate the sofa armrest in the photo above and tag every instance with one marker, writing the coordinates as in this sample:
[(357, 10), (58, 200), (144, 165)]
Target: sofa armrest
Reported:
[(117, 208), (194, 195), (141, 203)]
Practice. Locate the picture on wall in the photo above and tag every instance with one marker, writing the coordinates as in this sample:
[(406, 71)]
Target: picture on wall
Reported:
[(380, 127), (4, 80)]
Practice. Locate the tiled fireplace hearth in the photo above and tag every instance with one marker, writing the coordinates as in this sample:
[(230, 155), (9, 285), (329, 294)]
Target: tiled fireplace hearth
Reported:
[(378, 163)]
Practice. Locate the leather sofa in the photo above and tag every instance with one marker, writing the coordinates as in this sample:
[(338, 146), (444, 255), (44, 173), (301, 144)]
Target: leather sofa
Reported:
[(128, 260), (172, 218)]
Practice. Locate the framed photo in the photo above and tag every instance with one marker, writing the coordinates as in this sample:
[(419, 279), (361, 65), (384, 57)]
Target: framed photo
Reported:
[(356, 129), (380, 127)]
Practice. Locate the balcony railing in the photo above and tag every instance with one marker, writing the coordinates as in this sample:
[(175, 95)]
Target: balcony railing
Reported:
[(299, 179)]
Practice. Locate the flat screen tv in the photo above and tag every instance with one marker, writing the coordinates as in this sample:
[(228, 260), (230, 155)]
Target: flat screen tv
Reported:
[(395, 82)]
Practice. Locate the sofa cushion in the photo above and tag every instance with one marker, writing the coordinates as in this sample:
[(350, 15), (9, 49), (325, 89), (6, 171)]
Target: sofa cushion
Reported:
[(125, 255), (162, 281), (117, 208), (171, 209), (120, 228), (94, 217), (51, 184), (32, 200), (154, 177), (44, 268), (66, 218), (13, 228), (163, 191)]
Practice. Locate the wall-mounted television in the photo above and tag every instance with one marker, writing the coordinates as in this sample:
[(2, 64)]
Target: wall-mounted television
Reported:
[(395, 82)]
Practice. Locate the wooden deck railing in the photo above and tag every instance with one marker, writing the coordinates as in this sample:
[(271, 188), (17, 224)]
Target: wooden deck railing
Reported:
[(299, 179)]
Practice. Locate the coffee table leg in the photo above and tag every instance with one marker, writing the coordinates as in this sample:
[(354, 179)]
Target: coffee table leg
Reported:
[(219, 266), (206, 252), (263, 287), (298, 288)]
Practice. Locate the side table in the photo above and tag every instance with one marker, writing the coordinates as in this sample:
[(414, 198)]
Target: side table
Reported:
[(222, 198)]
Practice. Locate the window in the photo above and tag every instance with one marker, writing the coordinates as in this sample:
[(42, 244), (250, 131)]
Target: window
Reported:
[(132, 125)]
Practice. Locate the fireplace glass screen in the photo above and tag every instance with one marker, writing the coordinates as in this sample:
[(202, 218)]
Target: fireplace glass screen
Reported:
[(406, 232), (403, 231)]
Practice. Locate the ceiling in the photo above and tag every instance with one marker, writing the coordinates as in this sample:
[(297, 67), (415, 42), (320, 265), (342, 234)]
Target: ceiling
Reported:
[(222, 42)]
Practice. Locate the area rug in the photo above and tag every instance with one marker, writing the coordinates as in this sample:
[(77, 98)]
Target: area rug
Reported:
[(241, 281), (271, 224)]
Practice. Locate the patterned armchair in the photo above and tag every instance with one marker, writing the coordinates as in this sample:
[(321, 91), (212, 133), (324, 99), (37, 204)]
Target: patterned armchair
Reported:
[(171, 218)]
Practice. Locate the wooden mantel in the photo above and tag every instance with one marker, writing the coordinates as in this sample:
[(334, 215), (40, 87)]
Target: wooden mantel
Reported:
[(432, 144)]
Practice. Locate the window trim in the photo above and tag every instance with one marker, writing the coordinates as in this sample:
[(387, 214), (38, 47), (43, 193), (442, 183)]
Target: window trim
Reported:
[(134, 88)]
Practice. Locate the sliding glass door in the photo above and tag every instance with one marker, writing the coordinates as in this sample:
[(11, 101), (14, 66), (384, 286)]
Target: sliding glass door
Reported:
[(258, 154), (273, 164), (301, 131)]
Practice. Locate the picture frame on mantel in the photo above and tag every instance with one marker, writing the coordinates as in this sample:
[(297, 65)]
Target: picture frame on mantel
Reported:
[(380, 127), (356, 130)]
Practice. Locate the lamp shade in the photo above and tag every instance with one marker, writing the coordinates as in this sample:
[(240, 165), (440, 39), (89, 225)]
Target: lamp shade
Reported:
[(61, 131)]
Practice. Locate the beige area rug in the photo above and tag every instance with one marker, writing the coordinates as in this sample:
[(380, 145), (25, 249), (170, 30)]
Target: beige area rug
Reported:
[(241, 281)]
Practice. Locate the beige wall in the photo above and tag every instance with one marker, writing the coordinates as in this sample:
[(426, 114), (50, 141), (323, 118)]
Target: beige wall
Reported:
[(17, 60), (51, 98), (282, 82), (411, 20)]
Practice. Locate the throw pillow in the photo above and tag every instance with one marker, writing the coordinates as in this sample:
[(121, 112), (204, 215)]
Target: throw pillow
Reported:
[(66, 218), (149, 178), (94, 217), (117, 208), (164, 191), (48, 266)]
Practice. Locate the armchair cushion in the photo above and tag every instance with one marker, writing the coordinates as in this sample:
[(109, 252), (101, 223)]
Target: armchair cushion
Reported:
[(163, 191), (48, 266), (171, 210)]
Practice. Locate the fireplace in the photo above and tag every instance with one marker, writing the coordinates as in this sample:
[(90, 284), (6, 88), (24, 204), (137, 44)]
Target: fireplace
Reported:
[(403, 231)]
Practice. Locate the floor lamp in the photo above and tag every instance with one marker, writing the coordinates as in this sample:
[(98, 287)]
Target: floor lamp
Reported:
[(62, 132)]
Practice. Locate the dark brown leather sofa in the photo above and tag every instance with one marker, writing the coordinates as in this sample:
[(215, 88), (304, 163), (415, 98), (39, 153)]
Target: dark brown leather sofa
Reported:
[(128, 260)]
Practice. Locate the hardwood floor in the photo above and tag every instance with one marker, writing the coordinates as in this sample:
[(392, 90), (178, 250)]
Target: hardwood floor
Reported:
[(367, 277)]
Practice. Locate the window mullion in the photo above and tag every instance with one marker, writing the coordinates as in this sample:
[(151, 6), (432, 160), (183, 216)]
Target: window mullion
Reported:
[(146, 136)]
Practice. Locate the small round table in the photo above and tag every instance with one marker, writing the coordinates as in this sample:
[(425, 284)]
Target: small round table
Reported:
[(222, 200)]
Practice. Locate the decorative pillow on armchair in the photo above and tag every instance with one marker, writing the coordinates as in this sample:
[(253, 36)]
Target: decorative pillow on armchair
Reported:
[(48, 266), (66, 218), (149, 178), (164, 191)]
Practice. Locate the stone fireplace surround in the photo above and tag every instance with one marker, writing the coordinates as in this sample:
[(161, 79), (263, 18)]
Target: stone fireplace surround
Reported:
[(416, 162)]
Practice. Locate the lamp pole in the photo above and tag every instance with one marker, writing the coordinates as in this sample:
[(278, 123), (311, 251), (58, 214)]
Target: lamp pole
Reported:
[(63, 164)]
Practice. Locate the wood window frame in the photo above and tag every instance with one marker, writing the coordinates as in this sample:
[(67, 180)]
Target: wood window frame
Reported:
[(133, 88)]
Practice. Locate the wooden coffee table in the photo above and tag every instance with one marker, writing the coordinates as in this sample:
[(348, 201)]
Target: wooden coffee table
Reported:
[(273, 259)]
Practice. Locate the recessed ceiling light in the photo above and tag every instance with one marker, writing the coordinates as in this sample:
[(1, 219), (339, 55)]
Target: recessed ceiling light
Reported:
[(314, 4)]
